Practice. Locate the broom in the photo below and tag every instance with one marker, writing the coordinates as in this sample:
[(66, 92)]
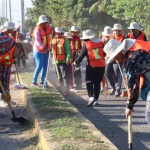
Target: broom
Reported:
[(130, 139), (18, 86)]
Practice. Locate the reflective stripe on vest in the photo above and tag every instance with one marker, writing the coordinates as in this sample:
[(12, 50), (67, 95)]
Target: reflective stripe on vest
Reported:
[(95, 54)]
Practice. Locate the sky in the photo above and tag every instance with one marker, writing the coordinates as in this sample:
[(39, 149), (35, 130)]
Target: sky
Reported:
[(15, 9)]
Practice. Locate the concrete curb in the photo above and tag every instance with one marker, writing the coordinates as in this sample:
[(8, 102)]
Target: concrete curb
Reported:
[(32, 114)]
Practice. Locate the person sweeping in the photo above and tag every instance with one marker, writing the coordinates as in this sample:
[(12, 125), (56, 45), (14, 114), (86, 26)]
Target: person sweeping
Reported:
[(93, 50), (61, 59), (136, 55)]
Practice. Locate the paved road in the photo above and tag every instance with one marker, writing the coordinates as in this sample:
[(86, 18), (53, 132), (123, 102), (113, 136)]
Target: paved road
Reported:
[(109, 116)]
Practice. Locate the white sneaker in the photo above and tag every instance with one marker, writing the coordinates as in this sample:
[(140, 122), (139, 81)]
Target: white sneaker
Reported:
[(3, 130), (96, 102), (91, 101), (102, 89), (73, 90)]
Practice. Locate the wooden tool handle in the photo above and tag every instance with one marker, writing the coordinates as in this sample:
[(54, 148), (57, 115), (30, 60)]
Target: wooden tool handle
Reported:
[(130, 139), (3, 89)]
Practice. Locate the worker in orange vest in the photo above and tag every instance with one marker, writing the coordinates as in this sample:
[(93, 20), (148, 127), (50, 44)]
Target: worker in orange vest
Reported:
[(42, 36), (112, 70), (61, 59), (136, 32), (70, 39), (95, 67), (77, 46), (136, 55)]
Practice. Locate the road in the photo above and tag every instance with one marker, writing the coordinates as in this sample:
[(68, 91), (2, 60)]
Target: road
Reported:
[(109, 116)]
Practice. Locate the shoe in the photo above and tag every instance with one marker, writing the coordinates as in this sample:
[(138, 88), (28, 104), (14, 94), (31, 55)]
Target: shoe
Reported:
[(91, 101), (112, 92), (3, 130), (117, 94), (102, 89), (41, 85), (73, 90), (34, 85), (96, 102)]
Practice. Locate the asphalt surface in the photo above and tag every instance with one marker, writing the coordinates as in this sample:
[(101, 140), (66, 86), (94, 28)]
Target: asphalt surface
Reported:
[(109, 116)]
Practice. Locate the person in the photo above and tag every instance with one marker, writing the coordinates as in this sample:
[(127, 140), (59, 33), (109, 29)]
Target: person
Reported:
[(136, 56), (93, 50), (9, 50), (77, 46), (105, 38), (41, 47), (69, 37), (61, 59), (136, 32), (112, 70)]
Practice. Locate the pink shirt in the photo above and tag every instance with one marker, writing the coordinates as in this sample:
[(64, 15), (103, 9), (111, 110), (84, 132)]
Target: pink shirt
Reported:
[(37, 41)]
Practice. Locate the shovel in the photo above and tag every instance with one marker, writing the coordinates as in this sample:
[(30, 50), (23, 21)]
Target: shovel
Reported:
[(20, 120), (130, 139)]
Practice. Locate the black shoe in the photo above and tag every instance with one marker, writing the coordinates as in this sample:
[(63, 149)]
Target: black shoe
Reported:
[(112, 92), (117, 94)]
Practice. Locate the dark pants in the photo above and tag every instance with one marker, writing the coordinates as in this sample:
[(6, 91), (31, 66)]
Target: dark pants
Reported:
[(113, 75), (62, 72), (23, 59), (77, 72), (93, 79)]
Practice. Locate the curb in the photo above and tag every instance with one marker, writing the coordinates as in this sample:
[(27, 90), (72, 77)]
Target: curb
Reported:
[(31, 111)]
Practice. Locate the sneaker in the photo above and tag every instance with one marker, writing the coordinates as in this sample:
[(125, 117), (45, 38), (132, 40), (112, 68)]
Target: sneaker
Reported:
[(41, 85), (96, 102), (112, 92), (3, 130), (91, 101), (73, 90), (102, 89), (117, 94), (34, 85)]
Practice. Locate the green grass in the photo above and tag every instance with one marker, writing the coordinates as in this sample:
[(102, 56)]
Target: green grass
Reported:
[(61, 120)]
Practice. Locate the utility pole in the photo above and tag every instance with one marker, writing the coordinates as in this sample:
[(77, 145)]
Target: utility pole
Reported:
[(22, 17), (6, 10), (9, 10)]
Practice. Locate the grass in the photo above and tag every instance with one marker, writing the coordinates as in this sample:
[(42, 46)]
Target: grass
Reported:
[(60, 119)]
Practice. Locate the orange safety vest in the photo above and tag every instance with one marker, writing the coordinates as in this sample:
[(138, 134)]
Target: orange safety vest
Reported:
[(8, 58), (139, 44), (76, 44), (95, 54), (58, 49), (46, 37), (120, 38), (140, 37)]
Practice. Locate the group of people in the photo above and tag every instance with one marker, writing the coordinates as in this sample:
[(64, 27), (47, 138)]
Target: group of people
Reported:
[(104, 56), (69, 49)]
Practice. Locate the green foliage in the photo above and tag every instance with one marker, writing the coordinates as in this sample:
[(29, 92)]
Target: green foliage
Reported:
[(86, 14)]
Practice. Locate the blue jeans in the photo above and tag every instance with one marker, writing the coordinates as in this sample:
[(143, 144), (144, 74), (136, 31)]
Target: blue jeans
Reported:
[(41, 66)]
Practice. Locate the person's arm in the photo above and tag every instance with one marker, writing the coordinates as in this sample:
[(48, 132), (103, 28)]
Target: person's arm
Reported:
[(82, 55), (37, 40), (67, 49), (133, 69)]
